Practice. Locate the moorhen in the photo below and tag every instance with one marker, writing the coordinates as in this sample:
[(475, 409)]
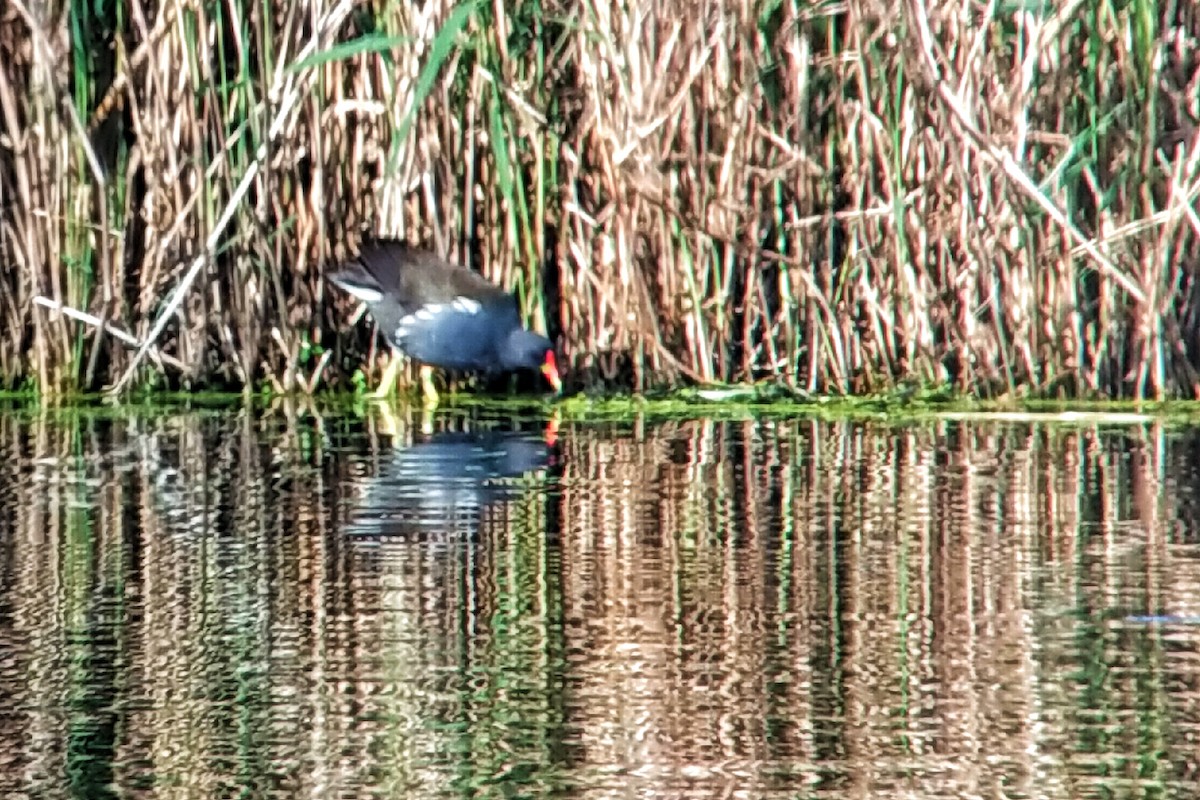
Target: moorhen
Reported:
[(441, 315)]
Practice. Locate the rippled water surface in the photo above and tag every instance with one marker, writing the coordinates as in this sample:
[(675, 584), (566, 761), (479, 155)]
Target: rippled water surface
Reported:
[(280, 604)]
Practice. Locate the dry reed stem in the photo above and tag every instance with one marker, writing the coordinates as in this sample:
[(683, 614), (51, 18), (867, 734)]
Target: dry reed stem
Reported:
[(108, 328)]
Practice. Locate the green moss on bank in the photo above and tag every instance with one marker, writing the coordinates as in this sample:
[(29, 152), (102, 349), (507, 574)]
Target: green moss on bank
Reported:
[(720, 402)]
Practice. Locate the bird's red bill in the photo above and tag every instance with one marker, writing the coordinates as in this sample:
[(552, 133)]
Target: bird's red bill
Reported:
[(550, 370)]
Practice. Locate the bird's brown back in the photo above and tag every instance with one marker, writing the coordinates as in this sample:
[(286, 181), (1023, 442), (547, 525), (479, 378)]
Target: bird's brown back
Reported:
[(415, 277)]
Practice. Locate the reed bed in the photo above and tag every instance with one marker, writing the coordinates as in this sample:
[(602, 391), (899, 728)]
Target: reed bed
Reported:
[(838, 197)]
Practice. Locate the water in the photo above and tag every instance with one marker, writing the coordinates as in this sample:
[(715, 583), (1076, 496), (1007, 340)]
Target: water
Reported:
[(222, 604)]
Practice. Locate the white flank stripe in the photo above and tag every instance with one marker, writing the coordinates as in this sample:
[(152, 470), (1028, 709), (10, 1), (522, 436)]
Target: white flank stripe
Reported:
[(467, 304), (402, 329), (363, 293)]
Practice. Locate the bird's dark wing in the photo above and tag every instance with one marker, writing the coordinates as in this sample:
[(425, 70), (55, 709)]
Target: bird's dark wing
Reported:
[(416, 277)]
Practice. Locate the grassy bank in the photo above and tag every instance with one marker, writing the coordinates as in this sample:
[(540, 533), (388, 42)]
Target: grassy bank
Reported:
[(724, 403), (834, 198)]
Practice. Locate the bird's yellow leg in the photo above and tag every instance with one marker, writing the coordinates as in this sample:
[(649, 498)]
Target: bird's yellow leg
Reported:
[(388, 382), (431, 395)]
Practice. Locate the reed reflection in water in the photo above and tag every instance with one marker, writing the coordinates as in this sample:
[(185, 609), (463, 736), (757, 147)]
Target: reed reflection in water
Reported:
[(274, 605)]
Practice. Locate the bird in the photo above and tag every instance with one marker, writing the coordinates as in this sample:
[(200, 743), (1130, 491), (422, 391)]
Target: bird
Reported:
[(441, 315)]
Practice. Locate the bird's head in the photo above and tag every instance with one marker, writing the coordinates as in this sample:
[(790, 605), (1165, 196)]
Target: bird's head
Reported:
[(528, 350)]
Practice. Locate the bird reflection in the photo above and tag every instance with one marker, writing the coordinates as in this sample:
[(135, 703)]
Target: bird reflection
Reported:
[(443, 481)]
